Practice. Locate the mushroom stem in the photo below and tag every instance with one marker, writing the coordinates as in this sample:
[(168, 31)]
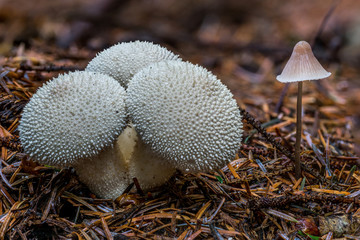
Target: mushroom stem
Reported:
[(110, 172), (149, 168), (298, 131), (105, 174)]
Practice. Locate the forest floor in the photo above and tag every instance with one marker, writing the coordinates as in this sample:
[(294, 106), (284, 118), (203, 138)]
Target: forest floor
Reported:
[(257, 195)]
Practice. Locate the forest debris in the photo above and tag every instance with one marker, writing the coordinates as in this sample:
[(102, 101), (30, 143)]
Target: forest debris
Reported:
[(339, 224), (255, 196)]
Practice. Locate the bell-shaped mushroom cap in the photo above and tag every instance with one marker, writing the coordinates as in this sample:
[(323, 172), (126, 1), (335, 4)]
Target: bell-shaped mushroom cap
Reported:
[(73, 116), (185, 114), (302, 65), (123, 60)]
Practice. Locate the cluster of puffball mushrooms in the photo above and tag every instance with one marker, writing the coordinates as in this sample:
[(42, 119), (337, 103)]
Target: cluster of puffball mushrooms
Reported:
[(137, 111)]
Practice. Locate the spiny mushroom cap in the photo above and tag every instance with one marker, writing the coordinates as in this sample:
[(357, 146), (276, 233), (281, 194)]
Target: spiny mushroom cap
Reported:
[(123, 60), (73, 116), (185, 114), (302, 65)]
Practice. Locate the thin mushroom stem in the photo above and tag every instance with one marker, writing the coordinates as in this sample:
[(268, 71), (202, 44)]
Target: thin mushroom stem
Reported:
[(298, 131)]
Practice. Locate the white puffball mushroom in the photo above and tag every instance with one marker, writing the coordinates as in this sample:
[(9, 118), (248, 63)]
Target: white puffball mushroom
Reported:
[(78, 120), (185, 114), (123, 60), (71, 117)]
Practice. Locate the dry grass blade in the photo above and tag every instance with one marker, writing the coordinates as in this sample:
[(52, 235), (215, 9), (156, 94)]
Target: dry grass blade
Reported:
[(78, 199), (7, 219), (282, 215), (106, 229)]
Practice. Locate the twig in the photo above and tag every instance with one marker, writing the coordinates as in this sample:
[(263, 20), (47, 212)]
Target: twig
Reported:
[(281, 99), (284, 201), (325, 21), (49, 68), (11, 143), (270, 138)]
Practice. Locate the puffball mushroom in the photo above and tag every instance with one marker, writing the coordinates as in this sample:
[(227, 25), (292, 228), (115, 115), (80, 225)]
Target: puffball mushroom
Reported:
[(185, 114), (71, 117), (76, 120), (301, 66), (123, 60)]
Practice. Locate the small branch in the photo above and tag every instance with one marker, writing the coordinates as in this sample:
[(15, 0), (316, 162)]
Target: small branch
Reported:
[(257, 125), (325, 21), (11, 143), (49, 68), (270, 138), (281, 99), (285, 201)]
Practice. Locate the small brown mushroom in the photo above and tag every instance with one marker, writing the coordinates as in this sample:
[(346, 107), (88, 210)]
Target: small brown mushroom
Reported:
[(301, 66)]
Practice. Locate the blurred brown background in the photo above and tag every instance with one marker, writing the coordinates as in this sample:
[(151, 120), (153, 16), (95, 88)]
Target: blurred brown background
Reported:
[(245, 43)]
